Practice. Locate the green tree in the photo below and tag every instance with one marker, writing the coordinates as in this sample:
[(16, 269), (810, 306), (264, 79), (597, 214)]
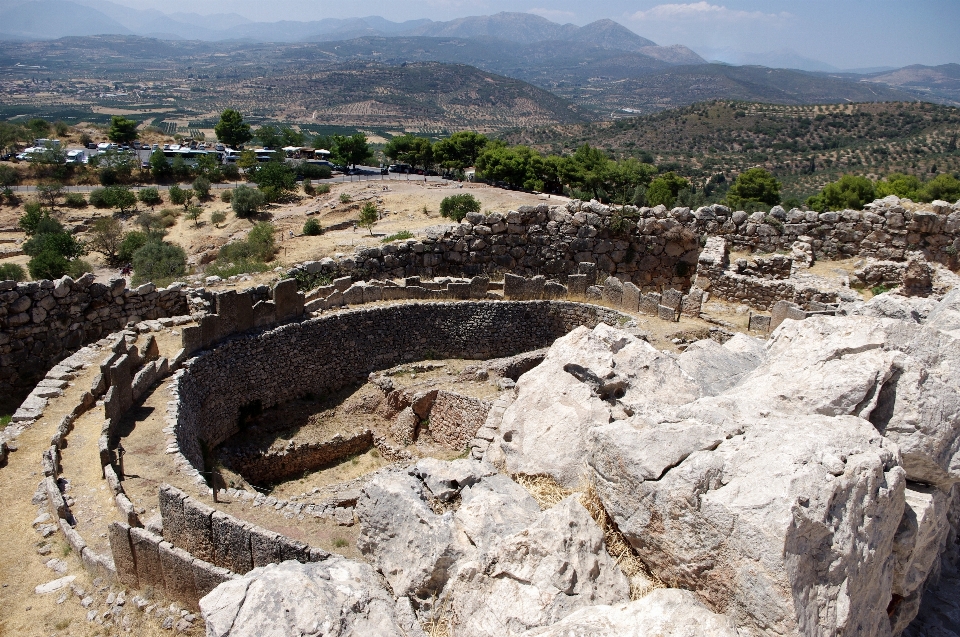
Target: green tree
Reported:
[(368, 216), (122, 130), (106, 235), (114, 167), (270, 136), (201, 186), (150, 196), (158, 261), (179, 168), (456, 207), (262, 241), (179, 196), (944, 187), (38, 127), (48, 265), (11, 135), (409, 149), (588, 170), (118, 197), (247, 160), (352, 150), (754, 187), (61, 128), (247, 201), (208, 167), (850, 191), (193, 214), (217, 217), (518, 166), (49, 193), (8, 176), (664, 189), (231, 130), (460, 150), (624, 177), (34, 214), (132, 241), (275, 175), (901, 185), (160, 167)]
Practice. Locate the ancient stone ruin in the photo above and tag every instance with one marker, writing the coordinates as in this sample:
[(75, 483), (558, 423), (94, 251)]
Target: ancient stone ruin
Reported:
[(470, 433)]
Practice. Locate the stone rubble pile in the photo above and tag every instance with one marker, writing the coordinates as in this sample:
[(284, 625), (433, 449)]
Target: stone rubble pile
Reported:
[(802, 486)]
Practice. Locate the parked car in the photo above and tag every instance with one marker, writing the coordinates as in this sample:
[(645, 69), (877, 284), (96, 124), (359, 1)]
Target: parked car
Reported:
[(92, 145), (155, 147)]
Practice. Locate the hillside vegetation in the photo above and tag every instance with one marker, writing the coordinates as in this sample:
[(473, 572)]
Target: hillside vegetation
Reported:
[(804, 146)]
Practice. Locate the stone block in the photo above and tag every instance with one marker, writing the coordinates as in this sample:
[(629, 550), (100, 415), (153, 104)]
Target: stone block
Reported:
[(191, 338), (671, 299), (288, 300), (198, 538), (207, 577), (57, 504), (372, 293), (264, 313), (783, 310), (403, 429), (759, 323), (146, 555), (692, 302), (73, 538), (177, 566), (458, 291), (291, 549), (612, 291), (264, 547), (209, 329), (235, 312), (553, 290), (175, 528), (577, 284), (630, 301), (514, 287), (122, 550), (344, 282), (455, 419), (121, 383), (665, 313), (231, 543), (533, 288), (479, 286), (589, 269), (354, 294)]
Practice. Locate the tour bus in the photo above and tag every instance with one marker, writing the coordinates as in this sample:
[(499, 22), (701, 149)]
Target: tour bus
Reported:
[(230, 156), (189, 155)]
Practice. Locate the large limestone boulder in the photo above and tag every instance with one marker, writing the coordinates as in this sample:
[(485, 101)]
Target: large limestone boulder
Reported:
[(946, 315), (716, 367), (665, 612), (787, 526), (335, 597), (588, 377), (537, 576)]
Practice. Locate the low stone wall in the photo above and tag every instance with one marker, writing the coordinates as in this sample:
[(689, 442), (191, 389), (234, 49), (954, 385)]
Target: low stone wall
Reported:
[(42, 322), (455, 419), (325, 354), (259, 467)]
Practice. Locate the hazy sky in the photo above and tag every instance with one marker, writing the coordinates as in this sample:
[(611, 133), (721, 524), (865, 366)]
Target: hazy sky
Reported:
[(845, 33)]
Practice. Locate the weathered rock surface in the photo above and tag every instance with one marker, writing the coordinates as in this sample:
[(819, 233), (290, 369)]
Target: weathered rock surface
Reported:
[(665, 612), (537, 576), (717, 367), (751, 521), (335, 597)]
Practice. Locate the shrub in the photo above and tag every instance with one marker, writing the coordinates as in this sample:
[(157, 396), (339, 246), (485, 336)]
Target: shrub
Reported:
[(113, 197), (368, 216), (150, 196), (158, 261), (106, 237), (75, 200), (307, 187), (456, 207), (403, 234), (78, 267), (250, 255), (314, 171), (226, 196), (48, 265), (201, 186), (33, 214), (247, 201), (322, 189), (193, 214), (51, 237), (98, 198), (261, 240), (218, 217), (12, 272), (312, 228), (179, 196), (345, 198), (132, 241), (230, 172), (850, 191)]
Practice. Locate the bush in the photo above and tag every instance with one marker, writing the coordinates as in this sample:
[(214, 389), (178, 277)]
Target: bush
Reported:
[(250, 255), (247, 201), (314, 171), (850, 191), (98, 198), (403, 234), (113, 197), (218, 217), (150, 196), (48, 265), (262, 242), (12, 272), (179, 196), (308, 187), (456, 207), (368, 216), (106, 237), (78, 267), (322, 189), (132, 241), (201, 186), (33, 214), (158, 261), (230, 172), (75, 200), (345, 198), (226, 196), (312, 228)]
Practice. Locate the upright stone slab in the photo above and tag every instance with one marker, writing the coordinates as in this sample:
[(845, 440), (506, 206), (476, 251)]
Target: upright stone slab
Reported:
[(198, 538), (191, 338), (264, 313), (649, 304), (146, 554), (123, 560), (354, 294), (759, 323), (344, 282), (588, 269), (631, 297), (264, 547), (178, 578), (290, 549), (235, 312), (671, 299), (783, 310), (533, 288), (665, 313), (692, 302), (479, 286), (459, 291), (175, 528), (231, 543), (121, 383), (207, 577), (577, 284), (209, 329), (288, 300), (553, 290), (613, 291), (514, 287), (372, 293)]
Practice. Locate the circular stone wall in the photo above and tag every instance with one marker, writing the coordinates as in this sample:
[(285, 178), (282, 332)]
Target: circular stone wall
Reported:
[(325, 354)]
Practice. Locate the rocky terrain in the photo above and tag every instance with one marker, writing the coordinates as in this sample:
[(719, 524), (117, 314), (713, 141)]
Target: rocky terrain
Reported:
[(805, 485)]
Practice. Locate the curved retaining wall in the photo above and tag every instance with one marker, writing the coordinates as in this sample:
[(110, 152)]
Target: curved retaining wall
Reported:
[(331, 352)]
